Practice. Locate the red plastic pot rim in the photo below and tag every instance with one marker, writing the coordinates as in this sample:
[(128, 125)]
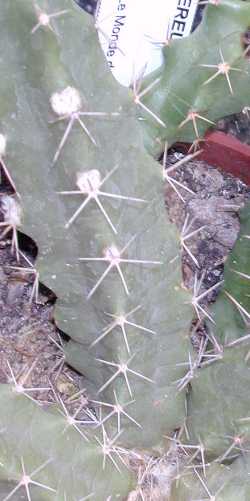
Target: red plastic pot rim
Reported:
[(225, 152)]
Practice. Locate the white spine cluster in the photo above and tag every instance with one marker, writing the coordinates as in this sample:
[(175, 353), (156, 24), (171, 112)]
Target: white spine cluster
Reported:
[(66, 102), (43, 19), (112, 254), (11, 210), (3, 142), (89, 181)]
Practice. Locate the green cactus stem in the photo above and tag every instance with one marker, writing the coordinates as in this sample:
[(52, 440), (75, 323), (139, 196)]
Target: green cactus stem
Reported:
[(203, 77)]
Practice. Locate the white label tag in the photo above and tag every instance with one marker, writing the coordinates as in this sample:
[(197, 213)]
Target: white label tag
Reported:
[(132, 32)]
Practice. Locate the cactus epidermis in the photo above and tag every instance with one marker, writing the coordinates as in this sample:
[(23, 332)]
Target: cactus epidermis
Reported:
[(203, 78)]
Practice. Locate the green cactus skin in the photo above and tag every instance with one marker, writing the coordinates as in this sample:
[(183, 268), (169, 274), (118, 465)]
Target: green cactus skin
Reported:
[(222, 483), (179, 86), (74, 466), (218, 402), (53, 84), (231, 325), (47, 63)]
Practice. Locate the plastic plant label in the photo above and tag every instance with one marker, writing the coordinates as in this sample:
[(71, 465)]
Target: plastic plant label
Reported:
[(133, 32)]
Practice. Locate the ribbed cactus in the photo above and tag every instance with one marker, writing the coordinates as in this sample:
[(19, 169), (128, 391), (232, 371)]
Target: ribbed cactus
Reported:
[(65, 133), (92, 200), (218, 401), (61, 460), (100, 203), (222, 483), (203, 78), (218, 404)]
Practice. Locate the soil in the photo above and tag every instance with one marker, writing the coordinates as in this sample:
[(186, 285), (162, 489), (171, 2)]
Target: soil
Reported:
[(212, 208), (237, 125), (30, 344)]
